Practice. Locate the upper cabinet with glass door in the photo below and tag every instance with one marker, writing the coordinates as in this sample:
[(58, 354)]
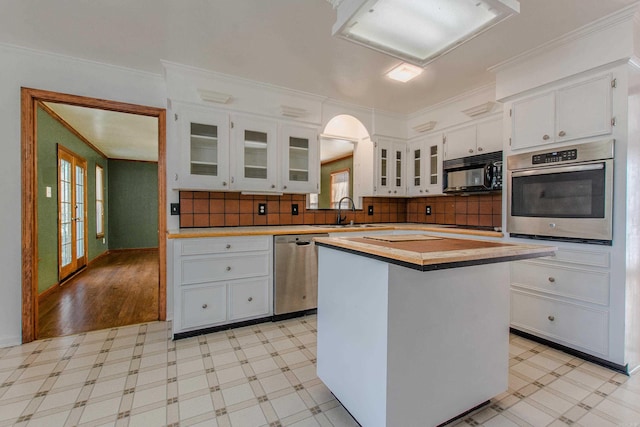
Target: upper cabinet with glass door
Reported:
[(255, 151), (300, 160), (390, 167), (204, 149), (423, 168)]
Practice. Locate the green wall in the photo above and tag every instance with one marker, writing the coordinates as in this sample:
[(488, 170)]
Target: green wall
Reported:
[(133, 204), (326, 169), (50, 133)]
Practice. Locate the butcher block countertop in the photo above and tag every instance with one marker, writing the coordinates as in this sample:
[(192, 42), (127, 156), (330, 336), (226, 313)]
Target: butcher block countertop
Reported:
[(274, 230), (426, 253)]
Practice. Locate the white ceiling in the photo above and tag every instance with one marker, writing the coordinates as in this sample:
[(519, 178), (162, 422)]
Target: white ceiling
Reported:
[(283, 42), (117, 135)]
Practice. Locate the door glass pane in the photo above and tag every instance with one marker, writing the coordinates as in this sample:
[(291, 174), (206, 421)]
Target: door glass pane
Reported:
[(416, 168), (433, 170), (255, 154), (65, 212), (79, 212), (560, 195), (398, 168), (298, 159), (204, 149), (383, 167)]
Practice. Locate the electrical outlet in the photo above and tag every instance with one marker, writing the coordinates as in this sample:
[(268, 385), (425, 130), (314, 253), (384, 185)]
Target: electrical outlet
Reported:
[(262, 208), (294, 209), (175, 208), (427, 211), (370, 210)]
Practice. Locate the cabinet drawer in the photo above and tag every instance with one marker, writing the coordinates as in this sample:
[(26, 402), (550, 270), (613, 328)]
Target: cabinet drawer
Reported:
[(572, 324), (220, 245), (214, 268), (587, 258), (249, 298), (203, 305), (587, 285)]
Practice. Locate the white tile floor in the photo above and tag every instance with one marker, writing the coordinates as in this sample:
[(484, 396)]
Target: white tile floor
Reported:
[(264, 375)]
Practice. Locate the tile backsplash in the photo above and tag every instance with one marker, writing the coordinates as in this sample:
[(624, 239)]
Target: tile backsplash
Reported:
[(220, 209)]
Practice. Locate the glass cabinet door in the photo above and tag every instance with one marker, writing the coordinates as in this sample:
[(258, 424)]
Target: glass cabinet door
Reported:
[(204, 149), (255, 149), (300, 160)]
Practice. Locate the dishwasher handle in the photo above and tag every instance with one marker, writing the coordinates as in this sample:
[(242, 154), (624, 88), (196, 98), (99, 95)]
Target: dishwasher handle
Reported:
[(303, 243)]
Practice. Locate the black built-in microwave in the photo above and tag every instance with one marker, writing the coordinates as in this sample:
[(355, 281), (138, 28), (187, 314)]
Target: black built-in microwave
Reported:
[(473, 174)]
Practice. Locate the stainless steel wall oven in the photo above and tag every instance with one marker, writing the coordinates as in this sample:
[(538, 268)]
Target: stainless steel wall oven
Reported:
[(564, 194)]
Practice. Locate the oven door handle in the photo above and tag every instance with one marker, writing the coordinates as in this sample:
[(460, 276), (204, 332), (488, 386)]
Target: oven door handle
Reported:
[(559, 169)]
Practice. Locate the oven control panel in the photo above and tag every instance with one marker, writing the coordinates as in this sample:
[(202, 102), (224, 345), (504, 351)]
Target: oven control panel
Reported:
[(554, 156)]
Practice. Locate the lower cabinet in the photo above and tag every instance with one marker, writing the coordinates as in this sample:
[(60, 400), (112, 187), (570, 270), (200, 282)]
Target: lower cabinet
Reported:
[(221, 280), (564, 299)]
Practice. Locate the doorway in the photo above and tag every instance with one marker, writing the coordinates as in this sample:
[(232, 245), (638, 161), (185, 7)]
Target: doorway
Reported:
[(29, 101)]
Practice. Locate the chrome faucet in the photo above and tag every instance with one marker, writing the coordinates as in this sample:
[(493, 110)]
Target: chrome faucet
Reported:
[(353, 208)]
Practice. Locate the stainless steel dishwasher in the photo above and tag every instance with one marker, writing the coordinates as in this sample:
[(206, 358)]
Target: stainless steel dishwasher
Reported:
[(295, 273)]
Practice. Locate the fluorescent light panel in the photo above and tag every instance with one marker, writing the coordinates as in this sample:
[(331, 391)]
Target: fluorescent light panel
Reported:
[(418, 31)]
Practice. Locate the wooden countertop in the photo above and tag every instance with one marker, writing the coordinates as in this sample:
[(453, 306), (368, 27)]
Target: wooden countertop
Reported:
[(275, 230), (425, 253)]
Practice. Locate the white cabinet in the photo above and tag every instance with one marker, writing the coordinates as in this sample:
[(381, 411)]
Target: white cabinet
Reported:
[(390, 167), (564, 299), (255, 153), (300, 159), (579, 110), (204, 149), (424, 171), (480, 138), (221, 280)]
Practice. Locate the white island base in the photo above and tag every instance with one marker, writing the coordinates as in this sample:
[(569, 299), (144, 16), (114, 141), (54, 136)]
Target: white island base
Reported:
[(402, 347)]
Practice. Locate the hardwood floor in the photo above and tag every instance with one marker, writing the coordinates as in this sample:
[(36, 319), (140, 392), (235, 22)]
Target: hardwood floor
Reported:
[(118, 289)]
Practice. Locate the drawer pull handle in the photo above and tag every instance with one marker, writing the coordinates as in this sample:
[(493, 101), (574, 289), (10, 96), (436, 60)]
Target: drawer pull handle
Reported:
[(552, 279), (551, 318), (546, 137), (250, 299), (228, 268), (562, 133), (470, 150), (228, 246), (204, 306)]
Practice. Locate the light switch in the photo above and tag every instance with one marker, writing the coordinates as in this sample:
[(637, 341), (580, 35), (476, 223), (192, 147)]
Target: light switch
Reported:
[(48, 192)]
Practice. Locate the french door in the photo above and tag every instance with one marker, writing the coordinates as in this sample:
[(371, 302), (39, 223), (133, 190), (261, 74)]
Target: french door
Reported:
[(72, 212)]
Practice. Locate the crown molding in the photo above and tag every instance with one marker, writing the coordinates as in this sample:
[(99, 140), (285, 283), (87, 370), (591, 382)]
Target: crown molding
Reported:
[(424, 127), (479, 109), (625, 14), (212, 96)]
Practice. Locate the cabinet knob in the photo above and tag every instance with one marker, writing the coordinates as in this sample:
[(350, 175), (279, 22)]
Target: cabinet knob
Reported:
[(470, 150), (204, 306), (426, 191), (273, 186), (546, 137), (552, 225), (421, 191), (479, 149), (228, 246), (228, 268), (551, 318), (552, 279), (224, 183), (395, 191), (389, 191), (250, 299), (562, 133), (285, 187)]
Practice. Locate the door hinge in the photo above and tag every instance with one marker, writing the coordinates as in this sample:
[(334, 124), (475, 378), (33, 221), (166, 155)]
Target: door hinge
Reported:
[(510, 112), (613, 121), (614, 83), (232, 180), (232, 125), (175, 117), (444, 139), (509, 142), (375, 144)]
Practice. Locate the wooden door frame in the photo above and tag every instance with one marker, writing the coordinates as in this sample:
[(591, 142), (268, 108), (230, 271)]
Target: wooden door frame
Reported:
[(29, 99)]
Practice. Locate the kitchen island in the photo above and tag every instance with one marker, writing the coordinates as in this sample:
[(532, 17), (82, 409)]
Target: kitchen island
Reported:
[(413, 330)]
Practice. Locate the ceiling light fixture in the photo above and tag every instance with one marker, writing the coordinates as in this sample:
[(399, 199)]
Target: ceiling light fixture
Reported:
[(418, 31), (404, 72)]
